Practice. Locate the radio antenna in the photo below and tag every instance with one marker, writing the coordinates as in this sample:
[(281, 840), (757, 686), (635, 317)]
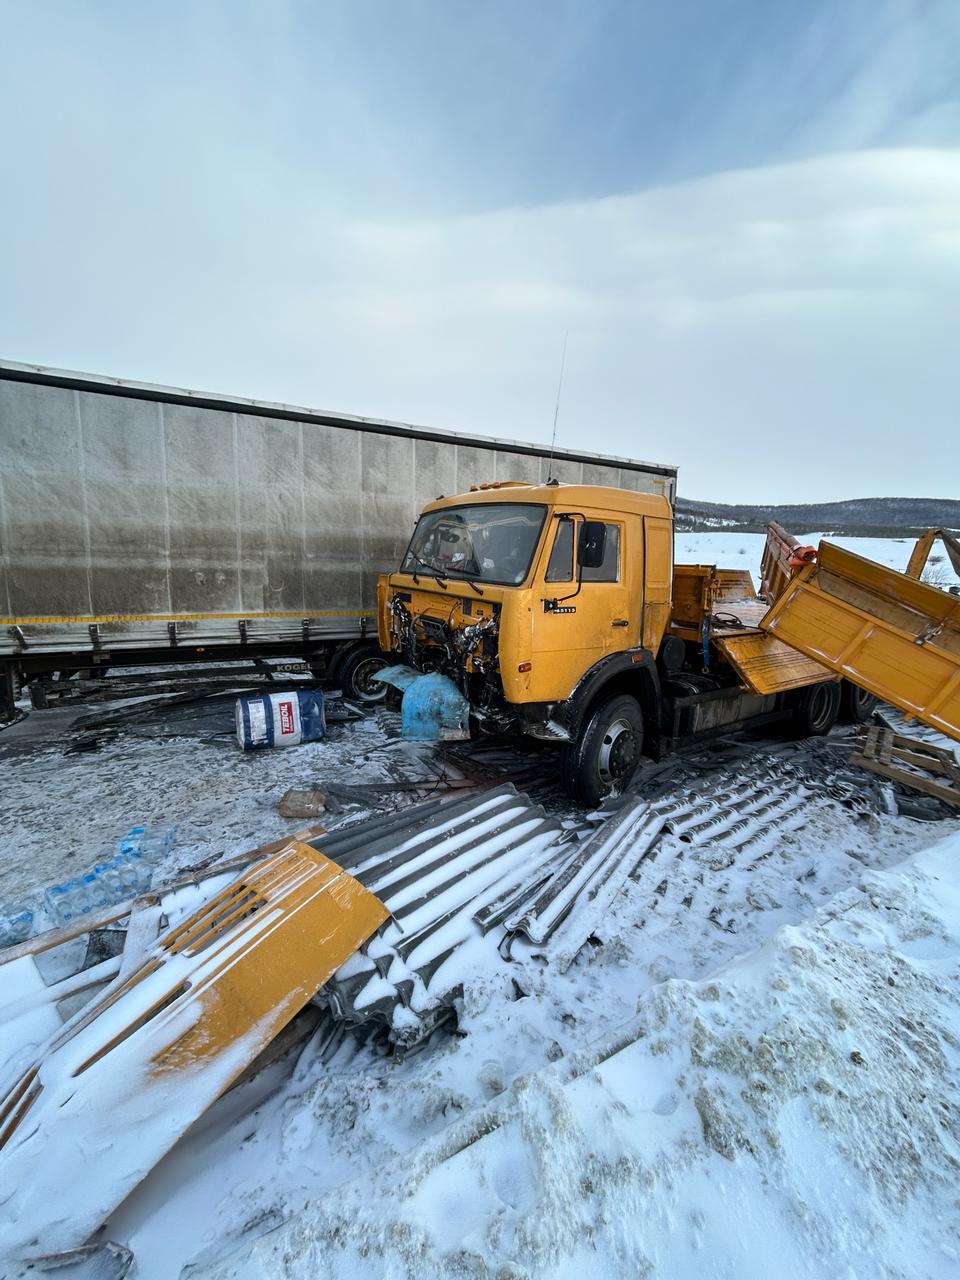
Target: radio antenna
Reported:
[(556, 409)]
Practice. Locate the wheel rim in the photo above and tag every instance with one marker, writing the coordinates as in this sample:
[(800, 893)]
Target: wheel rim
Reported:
[(820, 706), (863, 700), (363, 684), (618, 752)]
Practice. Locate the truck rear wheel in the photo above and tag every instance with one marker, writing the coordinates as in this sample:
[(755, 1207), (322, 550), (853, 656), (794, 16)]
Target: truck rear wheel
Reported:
[(856, 704), (607, 751), (816, 711), (355, 676)]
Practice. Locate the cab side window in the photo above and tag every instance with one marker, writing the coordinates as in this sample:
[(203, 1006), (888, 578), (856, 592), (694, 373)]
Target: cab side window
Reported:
[(609, 571), (560, 564)]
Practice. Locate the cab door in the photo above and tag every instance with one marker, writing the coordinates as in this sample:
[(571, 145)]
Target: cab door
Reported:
[(575, 625)]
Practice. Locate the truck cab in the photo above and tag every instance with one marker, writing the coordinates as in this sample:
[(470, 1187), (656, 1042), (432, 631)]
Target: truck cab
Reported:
[(550, 608)]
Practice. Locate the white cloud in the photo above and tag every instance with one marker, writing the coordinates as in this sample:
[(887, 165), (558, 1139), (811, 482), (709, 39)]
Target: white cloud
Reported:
[(211, 197), (781, 333)]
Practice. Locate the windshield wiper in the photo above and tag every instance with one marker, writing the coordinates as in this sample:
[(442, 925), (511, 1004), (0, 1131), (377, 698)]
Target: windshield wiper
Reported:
[(432, 568), (462, 577)]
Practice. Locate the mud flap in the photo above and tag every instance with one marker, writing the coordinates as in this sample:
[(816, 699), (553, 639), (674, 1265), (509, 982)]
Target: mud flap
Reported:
[(433, 708)]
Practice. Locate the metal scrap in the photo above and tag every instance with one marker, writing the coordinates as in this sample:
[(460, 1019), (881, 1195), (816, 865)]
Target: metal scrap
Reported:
[(120, 1082), (435, 868), (572, 902)]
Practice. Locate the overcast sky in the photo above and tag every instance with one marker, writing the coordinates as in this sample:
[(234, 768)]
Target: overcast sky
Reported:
[(745, 214)]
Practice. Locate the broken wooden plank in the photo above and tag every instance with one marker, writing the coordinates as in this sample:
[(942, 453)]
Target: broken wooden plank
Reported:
[(940, 790), (897, 757)]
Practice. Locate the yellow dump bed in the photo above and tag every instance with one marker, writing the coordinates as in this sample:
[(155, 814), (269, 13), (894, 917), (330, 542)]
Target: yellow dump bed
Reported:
[(886, 632)]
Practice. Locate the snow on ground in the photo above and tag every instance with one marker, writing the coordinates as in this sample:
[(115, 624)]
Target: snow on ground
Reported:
[(754, 1074), (786, 1097), (58, 812), (795, 1114)]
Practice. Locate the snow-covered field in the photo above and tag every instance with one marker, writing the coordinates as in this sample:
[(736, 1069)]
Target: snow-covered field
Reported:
[(743, 551), (753, 1072)]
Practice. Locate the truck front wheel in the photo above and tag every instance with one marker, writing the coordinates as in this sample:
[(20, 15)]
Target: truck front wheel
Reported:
[(606, 753)]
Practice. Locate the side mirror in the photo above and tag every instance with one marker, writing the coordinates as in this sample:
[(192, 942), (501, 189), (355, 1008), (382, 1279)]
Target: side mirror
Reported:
[(591, 544)]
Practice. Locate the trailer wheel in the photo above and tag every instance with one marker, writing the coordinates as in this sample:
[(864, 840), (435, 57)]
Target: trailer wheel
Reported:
[(816, 711), (856, 704), (607, 751), (355, 675)]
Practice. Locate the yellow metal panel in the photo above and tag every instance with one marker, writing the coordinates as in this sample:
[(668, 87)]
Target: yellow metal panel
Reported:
[(734, 584), (123, 1079), (657, 580), (691, 593), (765, 665), (888, 633)]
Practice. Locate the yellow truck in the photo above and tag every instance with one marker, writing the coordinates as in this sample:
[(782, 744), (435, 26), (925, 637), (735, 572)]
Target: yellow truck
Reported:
[(556, 611)]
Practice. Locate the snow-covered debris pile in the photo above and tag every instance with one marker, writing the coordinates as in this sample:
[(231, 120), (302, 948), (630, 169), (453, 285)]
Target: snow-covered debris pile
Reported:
[(796, 1112), (468, 879), (435, 868)]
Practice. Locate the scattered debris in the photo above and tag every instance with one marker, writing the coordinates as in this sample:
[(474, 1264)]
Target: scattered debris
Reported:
[(280, 719), (125, 1076), (302, 804), (465, 875), (437, 867), (89, 742), (911, 762), (573, 900)]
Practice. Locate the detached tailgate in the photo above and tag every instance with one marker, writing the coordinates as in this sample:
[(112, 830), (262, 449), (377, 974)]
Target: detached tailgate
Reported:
[(888, 633), (765, 665)]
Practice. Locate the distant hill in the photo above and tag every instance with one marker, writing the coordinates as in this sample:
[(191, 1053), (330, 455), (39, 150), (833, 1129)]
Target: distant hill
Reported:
[(866, 517)]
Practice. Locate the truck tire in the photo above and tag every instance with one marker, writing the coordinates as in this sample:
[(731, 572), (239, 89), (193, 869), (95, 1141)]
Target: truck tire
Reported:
[(607, 751), (816, 709), (856, 704), (355, 672)]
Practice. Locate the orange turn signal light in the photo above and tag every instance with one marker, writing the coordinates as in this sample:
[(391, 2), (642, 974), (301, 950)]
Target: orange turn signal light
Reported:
[(525, 666)]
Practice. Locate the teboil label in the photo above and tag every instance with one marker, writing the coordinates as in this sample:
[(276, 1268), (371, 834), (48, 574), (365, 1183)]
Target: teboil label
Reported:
[(287, 729)]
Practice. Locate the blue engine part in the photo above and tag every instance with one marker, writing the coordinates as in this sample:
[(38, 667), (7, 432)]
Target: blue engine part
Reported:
[(433, 708)]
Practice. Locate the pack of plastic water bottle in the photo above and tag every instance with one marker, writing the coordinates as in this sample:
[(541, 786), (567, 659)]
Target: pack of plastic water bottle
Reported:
[(114, 878), (15, 926)]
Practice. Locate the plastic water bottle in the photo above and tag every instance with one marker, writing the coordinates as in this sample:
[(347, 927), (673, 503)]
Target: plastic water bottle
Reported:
[(109, 873), (156, 842), (96, 891), (115, 878), (138, 872), (140, 849), (16, 925), (68, 900), (55, 897), (130, 843)]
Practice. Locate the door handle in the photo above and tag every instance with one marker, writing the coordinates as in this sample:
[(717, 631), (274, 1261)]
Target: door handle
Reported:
[(620, 622)]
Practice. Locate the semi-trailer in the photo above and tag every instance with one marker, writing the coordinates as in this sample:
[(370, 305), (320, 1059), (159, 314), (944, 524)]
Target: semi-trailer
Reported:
[(148, 525)]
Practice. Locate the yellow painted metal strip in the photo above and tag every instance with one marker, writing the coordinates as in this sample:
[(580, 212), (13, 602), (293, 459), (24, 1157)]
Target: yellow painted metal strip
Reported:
[(186, 617)]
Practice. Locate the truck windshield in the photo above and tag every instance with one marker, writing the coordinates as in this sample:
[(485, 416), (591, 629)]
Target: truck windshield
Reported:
[(488, 542)]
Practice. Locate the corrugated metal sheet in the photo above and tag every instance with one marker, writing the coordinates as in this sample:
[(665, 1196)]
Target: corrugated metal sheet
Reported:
[(435, 868), (578, 892), (490, 872)]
